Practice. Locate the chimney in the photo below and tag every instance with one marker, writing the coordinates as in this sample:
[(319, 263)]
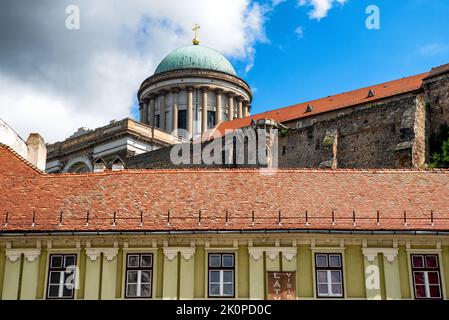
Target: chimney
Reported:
[(99, 165), (37, 151)]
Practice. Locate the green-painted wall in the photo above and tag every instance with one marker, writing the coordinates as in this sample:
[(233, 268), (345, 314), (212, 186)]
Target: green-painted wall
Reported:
[(404, 273), (445, 266), (2, 270), (380, 258), (355, 275), (160, 273), (119, 275), (200, 273), (305, 272), (42, 273), (243, 272), (82, 274)]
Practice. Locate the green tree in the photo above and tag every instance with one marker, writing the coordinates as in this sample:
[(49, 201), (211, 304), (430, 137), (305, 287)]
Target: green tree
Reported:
[(441, 159)]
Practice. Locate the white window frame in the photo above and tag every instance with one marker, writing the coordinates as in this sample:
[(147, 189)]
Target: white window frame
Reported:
[(436, 252), (221, 282), (141, 251), (62, 273), (329, 250), (139, 283), (329, 284), (223, 251), (426, 272)]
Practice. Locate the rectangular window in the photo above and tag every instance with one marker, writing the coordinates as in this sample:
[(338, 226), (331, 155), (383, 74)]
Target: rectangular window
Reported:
[(182, 119), (139, 271), (221, 274), (157, 120), (329, 275), (210, 119), (426, 276), (61, 276)]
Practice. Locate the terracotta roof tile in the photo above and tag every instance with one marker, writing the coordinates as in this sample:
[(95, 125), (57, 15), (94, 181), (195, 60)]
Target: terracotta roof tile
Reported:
[(331, 103), (170, 200)]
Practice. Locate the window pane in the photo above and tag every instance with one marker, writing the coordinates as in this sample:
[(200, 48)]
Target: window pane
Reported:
[(214, 289), (56, 262), (133, 261), (431, 261), (67, 292), (214, 276), (132, 290), (420, 291), (335, 277), (214, 260), (53, 291), (146, 261), (228, 276), (419, 277), (321, 260), (132, 277), (228, 260), (228, 289), (433, 277), (69, 261), (418, 261), (322, 289), (145, 290), (145, 277), (336, 289), (55, 277), (435, 292), (334, 261), (322, 276)]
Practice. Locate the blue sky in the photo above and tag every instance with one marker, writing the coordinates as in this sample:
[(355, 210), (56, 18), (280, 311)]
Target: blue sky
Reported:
[(60, 79), (338, 53)]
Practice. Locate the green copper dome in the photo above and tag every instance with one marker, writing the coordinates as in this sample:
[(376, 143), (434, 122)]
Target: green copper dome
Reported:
[(195, 57)]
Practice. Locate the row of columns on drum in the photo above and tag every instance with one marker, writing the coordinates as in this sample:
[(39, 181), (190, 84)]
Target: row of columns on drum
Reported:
[(147, 108)]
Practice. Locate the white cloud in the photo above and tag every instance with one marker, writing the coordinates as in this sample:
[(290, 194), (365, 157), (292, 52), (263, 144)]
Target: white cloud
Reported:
[(320, 7), (53, 80), (299, 32)]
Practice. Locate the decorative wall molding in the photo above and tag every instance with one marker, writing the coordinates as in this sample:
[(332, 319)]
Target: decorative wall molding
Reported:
[(390, 254), (94, 253), (172, 252), (272, 253), (30, 254)]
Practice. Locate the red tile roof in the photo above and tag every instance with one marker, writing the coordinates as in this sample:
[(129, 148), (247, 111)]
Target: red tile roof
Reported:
[(331, 103), (168, 200)]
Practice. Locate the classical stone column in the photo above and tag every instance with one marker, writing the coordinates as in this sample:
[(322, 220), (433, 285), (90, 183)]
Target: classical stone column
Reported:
[(162, 110), (187, 269), (204, 109), (174, 126), (230, 106), (190, 111), (170, 274), (245, 108), (151, 111), (218, 106), (145, 111), (93, 274), (240, 107), (141, 117)]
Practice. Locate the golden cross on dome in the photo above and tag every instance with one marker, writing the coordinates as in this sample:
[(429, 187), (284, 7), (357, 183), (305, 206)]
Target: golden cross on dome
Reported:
[(195, 28)]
